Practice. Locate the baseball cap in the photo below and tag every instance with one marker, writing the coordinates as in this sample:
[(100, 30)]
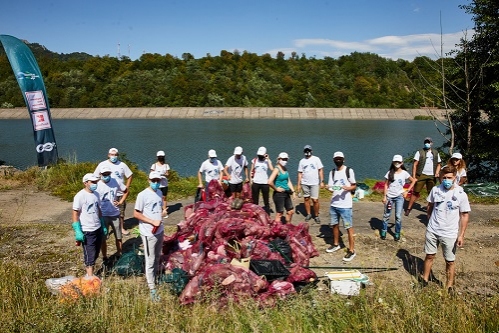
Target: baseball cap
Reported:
[(428, 139), (90, 177), (338, 154), (238, 150), (283, 155), (155, 175), (160, 153), (113, 151), (105, 169), (398, 158), (212, 153), (307, 147), (457, 155), (261, 151)]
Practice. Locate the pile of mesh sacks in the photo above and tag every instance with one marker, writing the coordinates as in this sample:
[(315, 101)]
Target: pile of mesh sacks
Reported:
[(219, 235)]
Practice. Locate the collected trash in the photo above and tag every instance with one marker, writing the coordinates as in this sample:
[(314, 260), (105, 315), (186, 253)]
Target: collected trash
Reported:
[(482, 189), (71, 288), (130, 263), (346, 282)]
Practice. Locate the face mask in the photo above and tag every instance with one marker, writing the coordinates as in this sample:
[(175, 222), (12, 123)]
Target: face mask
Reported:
[(154, 186), (113, 159), (213, 159), (427, 146), (397, 165), (307, 154), (106, 179), (92, 187), (447, 183), (283, 163), (338, 163)]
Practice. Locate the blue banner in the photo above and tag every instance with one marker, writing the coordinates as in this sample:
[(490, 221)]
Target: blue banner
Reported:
[(30, 81)]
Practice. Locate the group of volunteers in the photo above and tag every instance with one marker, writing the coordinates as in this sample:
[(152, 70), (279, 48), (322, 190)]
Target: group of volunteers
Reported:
[(101, 204)]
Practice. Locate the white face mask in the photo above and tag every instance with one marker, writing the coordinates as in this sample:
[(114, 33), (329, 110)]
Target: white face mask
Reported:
[(283, 163), (397, 165)]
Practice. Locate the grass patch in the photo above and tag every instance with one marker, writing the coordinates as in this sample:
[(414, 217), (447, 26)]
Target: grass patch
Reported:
[(421, 117)]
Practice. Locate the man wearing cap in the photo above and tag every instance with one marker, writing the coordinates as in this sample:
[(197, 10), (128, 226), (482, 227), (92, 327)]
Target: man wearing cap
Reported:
[(122, 173), (148, 210), (164, 169), (212, 169), (310, 179), (87, 223), (234, 168), (107, 189), (425, 169), (342, 183)]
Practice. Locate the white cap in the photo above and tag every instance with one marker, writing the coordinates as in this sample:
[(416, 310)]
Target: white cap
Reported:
[(160, 153), (397, 158), (338, 154), (261, 151), (212, 153), (155, 175), (457, 155), (283, 155), (90, 177), (113, 151), (105, 169), (238, 150)]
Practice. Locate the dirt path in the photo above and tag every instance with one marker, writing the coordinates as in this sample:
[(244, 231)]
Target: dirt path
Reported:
[(28, 216)]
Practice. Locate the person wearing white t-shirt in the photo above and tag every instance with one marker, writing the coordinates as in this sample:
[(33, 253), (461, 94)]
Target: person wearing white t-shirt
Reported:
[(148, 210), (310, 180), (342, 183), (212, 169), (457, 161), (235, 167), (122, 173), (259, 172), (448, 216), (394, 194), (164, 169)]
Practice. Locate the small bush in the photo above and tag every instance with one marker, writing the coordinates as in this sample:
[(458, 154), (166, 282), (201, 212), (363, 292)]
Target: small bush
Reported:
[(421, 117)]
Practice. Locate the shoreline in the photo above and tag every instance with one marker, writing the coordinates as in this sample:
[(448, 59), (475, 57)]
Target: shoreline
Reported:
[(228, 113)]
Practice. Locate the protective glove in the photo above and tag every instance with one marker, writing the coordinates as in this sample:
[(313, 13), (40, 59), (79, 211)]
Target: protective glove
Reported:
[(79, 235), (103, 225)]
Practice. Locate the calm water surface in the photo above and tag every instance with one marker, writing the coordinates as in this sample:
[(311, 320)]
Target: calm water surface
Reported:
[(368, 144)]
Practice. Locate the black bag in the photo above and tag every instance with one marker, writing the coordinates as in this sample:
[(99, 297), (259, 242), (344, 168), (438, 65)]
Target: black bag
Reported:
[(271, 269), (281, 246), (130, 263)]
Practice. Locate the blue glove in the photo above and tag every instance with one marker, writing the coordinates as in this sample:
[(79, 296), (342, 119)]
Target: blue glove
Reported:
[(103, 225), (79, 235)]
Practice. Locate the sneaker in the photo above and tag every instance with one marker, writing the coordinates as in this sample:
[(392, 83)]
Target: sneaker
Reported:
[(383, 234), (397, 237), (308, 217), (407, 212), (166, 216), (333, 248), (349, 256), (317, 220), (154, 296)]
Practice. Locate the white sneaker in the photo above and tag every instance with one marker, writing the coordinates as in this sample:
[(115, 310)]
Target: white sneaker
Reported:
[(349, 256), (333, 248)]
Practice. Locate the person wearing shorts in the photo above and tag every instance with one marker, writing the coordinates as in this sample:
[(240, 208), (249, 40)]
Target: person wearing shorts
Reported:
[(235, 167), (280, 182), (341, 183), (310, 179), (448, 216)]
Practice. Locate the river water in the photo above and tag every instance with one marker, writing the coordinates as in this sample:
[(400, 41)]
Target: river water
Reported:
[(368, 145)]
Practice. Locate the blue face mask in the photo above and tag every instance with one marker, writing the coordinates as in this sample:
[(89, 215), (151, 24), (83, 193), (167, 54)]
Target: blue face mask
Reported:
[(447, 183), (106, 179), (427, 146), (93, 187), (154, 186), (113, 159)]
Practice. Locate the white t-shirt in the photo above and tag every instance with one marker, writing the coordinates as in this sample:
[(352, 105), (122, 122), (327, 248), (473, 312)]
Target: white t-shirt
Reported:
[(236, 168), (88, 205), (396, 187), (428, 166), (260, 169), (150, 203), (211, 170), (119, 171), (108, 193), (460, 174), (448, 204), (341, 198), (162, 169), (309, 168)]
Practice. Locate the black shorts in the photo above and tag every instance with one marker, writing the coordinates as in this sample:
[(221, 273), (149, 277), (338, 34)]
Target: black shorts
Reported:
[(236, 188), (164, 190), (91, 246), (282, 200)]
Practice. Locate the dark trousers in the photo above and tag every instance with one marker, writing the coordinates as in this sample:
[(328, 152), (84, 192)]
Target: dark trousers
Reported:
[(91, 246), (255, 192)]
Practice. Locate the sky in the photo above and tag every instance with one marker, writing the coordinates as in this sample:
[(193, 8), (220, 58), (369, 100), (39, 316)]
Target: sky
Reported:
[(396, 29)]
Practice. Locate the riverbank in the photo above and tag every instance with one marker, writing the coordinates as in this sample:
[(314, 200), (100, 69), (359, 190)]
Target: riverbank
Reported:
[(228, 113)]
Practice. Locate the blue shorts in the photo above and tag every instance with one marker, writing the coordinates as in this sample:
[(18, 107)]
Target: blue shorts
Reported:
[(344, 213), (91, 246)]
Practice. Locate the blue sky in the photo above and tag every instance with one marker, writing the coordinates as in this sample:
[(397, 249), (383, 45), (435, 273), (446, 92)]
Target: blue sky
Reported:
[(391, 28)]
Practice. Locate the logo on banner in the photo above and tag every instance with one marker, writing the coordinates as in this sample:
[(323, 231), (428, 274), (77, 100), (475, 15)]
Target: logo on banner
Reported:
[(26, 75), (36, 100), (41, 120), (45, 147)]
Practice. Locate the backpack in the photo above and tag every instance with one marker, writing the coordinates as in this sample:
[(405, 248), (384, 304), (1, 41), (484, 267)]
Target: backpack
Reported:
[(348, 176)]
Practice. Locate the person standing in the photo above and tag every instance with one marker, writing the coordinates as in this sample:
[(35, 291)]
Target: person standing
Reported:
[(260, 167), (310, 180), (342, 183), (164, 170), (448, 216), (283, 189), (235, 166), (122, 173), (87, 223), (212, 169), (107, 189), (148, 210), (457, 161), (394, 194), (425, 169)]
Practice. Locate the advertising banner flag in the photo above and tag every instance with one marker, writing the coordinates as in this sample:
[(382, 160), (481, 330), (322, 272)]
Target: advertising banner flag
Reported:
[(30, 81)]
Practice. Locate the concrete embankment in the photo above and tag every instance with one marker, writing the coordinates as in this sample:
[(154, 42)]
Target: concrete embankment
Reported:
[(227, 113)]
